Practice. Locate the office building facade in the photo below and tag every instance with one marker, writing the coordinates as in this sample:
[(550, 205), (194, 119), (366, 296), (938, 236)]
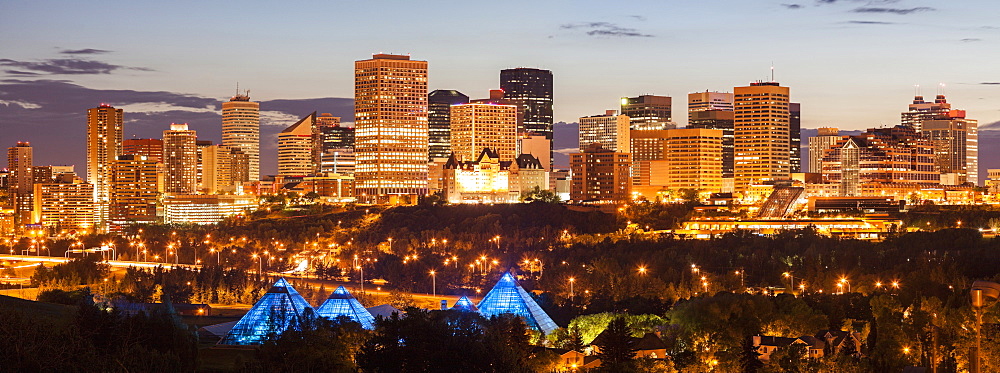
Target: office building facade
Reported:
[(761, 134), (439, 105), (180, 159), (241, 129), (477, 126), (611, 130), (648, 112), (104, 144)]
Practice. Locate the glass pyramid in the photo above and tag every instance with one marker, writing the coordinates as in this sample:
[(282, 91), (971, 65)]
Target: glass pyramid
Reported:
[(464, 304), (280, 309), (342, 303), (509, 297)]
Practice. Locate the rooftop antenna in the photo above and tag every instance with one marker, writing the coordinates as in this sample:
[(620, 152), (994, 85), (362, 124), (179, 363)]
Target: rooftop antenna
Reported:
[(237, 88), (941, 87), (772, 71)]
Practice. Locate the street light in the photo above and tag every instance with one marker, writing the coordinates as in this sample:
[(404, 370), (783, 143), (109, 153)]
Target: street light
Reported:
[(842, 282), (984, 295), (741, 274), (434, 283), (571, 281), (642, 270)]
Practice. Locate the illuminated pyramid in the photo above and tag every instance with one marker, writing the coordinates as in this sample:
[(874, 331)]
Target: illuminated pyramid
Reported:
[(342, 303), (280, 309), (509, 297), (464, 304)]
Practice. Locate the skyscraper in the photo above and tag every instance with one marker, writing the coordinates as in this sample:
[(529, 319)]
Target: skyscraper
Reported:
[(956, 146), (761, 134), (333, 146), (439, 120), (921, 110), (241, 129), (152, 148), (475, 127), (223, 168), (825, 138), (714, 110), (136, 186), (648, 112), (390, 115), (532, 90), (104, 145), (295, 153), (795, 137), (180, 157), (600, 175), (19, 162), (611, 130)]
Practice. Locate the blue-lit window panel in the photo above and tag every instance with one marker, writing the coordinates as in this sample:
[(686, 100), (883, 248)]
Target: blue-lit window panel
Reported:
[(280, 309), (342, 303), (509, 297)]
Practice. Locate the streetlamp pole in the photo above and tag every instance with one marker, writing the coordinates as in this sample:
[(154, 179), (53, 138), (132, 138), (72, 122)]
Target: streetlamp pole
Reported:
[(434, 283), (571, 281)]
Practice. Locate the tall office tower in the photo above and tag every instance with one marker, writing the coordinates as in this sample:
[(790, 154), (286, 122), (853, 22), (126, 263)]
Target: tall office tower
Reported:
[(795, 137), (538, 146), (19, 162), (600, 175), (223, 169), (714, 110), (180, 157), (475, 127), (390, 116), (439, 120), (648, 112), (295, 152), (610, 130), (201, 145), (53, 174), (136, 186), (152, 148), (920, 110), (956, 147), (884, 155), (693, 160), (761, 134), (532, 90), (61, 206), (826, 137), (241, 129), (708, 101), (333, 146), (104, 145)]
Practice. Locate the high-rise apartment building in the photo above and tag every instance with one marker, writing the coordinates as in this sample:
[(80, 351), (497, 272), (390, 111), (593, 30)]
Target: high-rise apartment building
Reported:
[(439, 120), (920, 110), (390, 116), (136, 186), (476, 126), (956, 145), (64, 206), (761, 134), (648, 112), (152, 148), (600, 175), (531, 89), (295, 152), (709, 101), (104, 145), (795, 137), (241, 129), (826, 137), (180, 158), (223, 168), (333, 146), (610, 130), (19, 163)]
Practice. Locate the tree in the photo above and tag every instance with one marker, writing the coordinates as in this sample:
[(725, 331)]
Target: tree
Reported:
[(749, 358), (617, 347), (317, 345), (539, 195)]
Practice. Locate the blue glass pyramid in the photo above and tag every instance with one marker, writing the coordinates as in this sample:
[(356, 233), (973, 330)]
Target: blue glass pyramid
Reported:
[(464, 304), (280, 309), (509, 297), (342, 303)]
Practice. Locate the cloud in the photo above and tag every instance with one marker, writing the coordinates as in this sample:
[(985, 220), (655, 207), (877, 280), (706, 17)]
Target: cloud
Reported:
[(605, 29), (638, 17), (792, 6), (900, 11), (84, 51), (64, 66), (970, 40), (870, 23), (990, 83), (21, 73), (991, 126)]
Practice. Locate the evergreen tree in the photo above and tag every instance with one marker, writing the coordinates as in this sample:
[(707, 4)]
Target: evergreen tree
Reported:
[(617, 347)]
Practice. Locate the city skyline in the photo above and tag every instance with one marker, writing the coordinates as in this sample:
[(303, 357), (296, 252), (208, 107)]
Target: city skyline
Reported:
[(168, 78)]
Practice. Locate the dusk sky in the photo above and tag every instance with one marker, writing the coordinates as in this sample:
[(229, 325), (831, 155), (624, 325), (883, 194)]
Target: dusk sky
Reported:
[(852, 64)]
